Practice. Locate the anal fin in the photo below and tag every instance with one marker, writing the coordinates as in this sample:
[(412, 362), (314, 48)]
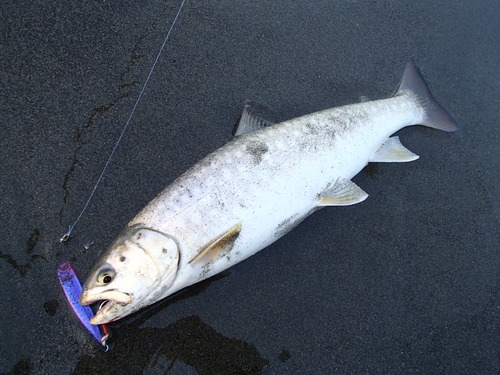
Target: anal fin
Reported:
[(392, 151), (343, 193), (221, 244)]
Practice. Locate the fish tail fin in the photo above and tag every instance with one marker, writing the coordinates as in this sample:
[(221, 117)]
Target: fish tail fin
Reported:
[(434, 115)]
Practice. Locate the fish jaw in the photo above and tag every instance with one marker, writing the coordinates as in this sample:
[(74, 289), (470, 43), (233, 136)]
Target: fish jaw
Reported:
[(113, 300), (111, 295), (100, 317)]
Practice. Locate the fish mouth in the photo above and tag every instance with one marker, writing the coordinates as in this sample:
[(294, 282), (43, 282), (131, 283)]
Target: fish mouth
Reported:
[(108, 301), (100, 316)]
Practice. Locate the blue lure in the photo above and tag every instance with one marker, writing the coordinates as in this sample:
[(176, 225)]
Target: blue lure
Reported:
[(72, 288)]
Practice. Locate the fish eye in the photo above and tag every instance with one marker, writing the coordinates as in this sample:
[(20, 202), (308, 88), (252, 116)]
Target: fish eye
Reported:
[(105, 276)]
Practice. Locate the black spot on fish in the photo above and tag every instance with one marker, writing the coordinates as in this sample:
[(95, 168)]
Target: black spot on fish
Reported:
[(311, 129), (287, 225), (122, 259), (257, 149)]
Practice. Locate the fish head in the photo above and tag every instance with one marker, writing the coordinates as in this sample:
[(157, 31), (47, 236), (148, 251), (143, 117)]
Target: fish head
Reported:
[(137, 267)]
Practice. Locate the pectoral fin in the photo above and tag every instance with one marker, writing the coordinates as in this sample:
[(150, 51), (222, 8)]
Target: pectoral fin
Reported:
[(393, 151), (220, 245), (343, 193)]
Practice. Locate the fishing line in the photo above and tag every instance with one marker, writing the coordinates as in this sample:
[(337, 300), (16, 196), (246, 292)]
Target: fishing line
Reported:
[(67, 235)]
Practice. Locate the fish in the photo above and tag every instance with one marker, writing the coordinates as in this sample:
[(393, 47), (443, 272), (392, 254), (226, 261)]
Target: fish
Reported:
[(252, 191)]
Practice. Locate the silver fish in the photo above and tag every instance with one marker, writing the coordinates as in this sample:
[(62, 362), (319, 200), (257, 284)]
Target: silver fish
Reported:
[(252, 191)]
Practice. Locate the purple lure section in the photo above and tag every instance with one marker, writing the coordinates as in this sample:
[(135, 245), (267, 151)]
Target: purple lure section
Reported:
[(72, 288)]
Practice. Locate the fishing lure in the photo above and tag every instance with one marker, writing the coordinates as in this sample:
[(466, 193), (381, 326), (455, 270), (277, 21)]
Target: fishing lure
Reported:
[(72, 288)]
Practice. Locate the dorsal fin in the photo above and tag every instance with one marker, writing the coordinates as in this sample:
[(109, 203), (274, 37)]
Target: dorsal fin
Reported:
[(343, 193), (221, 244), (392, 151), (254, 117)]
